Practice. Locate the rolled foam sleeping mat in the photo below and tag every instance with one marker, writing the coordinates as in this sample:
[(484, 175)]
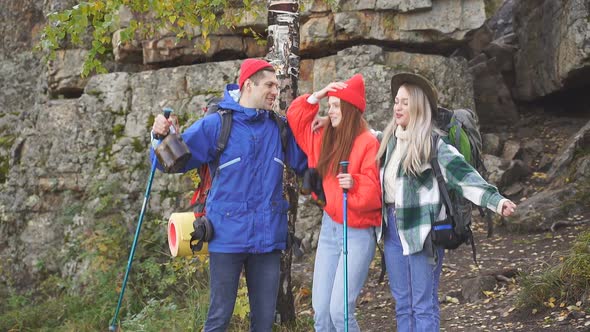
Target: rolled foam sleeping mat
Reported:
[(180, 227)]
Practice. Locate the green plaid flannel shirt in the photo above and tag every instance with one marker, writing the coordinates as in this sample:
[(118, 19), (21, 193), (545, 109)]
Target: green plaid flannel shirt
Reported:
[(417, 198)]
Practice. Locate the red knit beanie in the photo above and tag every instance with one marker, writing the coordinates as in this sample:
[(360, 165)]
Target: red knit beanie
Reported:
[(249, 67), (354, 93)]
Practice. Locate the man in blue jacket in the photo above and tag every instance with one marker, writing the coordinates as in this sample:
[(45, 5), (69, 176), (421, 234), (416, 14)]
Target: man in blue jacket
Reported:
[(245, 204)]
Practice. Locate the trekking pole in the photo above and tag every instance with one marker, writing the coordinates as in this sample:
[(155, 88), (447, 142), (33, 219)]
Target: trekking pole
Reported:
[(344, 170), (113, 326)]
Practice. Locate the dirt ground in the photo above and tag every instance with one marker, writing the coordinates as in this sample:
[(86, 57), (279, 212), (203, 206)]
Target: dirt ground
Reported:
[(496, 310)]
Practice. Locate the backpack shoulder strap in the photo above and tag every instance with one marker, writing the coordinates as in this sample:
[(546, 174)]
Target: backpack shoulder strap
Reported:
[(283, 132), (226, 124), (282, 128), (444, 192), (442, 186)]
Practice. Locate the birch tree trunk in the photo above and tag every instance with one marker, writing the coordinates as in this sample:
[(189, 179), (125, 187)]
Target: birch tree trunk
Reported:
[(283, 54)]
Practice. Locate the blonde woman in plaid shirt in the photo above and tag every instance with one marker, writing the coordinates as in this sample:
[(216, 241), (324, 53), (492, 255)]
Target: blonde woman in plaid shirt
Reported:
[(412, 200)]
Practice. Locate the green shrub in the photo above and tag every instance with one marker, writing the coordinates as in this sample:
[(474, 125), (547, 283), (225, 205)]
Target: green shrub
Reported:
[(566, 282), (162, 293), (85, 311)]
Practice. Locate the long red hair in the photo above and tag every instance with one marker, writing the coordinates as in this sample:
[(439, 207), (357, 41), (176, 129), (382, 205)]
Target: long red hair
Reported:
[(337, 142)]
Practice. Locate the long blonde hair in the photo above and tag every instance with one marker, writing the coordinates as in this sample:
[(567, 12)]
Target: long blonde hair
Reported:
[(420, 130)]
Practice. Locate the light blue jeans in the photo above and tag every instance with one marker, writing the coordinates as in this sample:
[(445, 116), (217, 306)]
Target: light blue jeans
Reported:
[(413, 281), (328, 274)]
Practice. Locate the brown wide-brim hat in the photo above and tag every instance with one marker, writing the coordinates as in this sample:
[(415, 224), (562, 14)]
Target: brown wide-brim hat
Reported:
[(427, 87)]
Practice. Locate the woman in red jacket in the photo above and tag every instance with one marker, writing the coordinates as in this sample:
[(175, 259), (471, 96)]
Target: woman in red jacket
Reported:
[(346, 138)]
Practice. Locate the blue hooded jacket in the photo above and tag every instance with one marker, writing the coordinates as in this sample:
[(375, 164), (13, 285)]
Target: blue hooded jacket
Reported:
[(245, 203)]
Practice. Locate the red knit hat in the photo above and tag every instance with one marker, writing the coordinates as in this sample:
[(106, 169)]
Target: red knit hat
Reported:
[(354, 93), (249, 67)]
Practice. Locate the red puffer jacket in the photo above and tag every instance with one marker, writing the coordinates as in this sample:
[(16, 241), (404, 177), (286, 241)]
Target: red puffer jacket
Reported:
[(364, 198)]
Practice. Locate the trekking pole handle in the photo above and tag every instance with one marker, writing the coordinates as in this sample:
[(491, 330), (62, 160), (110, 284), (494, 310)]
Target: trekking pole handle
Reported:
[(344, 170), (167, 111)]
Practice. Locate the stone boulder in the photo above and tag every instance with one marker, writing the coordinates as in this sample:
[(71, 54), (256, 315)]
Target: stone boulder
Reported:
[(533, 153), (51, 165), (495, 167), (504, 173), (22, 78), (512, 149), (126, 52), (472, 289), (516, 171), (567, 187), (65, 73), (491, 51), (491, 144), (21, 22), (578, 144), (554, 46), (540, 211), (168, 49), (494, 104), (404, 6), (309, 220), (439, 24)]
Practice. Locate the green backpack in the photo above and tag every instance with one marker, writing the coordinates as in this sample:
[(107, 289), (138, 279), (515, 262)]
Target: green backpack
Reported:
[(468, 142)]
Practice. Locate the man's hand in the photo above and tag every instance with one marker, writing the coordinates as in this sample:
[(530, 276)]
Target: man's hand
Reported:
[(173, 119), (161, 125), (319, 122)]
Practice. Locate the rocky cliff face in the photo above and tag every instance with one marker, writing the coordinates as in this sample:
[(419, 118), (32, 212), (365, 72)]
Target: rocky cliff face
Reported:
[(551, 56), (73, 150)]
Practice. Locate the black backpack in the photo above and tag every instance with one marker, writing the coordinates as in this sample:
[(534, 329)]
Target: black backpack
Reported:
[(462, 128), (203, 230)]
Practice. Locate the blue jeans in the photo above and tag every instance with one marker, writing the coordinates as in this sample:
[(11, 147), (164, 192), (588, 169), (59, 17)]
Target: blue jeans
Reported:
[(413, 281), (262, 279), (328, 279)]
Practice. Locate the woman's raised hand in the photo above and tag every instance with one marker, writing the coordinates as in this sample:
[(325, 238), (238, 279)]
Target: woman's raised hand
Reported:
[(332, 87)]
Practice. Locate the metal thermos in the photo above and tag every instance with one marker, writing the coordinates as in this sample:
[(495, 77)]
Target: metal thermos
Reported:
[(172, 152)]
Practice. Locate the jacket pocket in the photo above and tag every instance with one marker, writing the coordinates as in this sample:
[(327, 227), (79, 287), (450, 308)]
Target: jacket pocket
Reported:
[(231, 224), (229, 163), (278, 161)]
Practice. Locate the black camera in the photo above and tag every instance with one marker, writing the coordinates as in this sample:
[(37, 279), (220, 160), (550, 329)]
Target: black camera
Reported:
[(312, 183), (203, 232)]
